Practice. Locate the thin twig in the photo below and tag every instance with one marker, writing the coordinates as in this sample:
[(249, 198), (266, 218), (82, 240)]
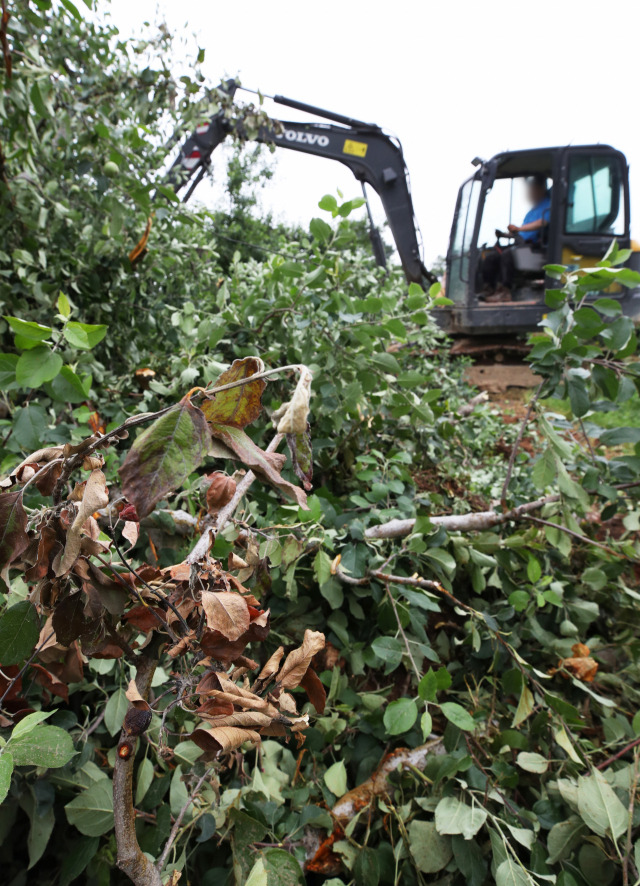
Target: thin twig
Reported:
[(25, 666), (583, 538), (176, 826), (402, 633)]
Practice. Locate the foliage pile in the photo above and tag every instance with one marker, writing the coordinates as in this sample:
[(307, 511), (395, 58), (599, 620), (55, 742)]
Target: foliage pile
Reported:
[(472, 717)]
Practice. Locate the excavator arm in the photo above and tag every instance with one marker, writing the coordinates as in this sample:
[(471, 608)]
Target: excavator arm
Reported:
[(374, 158)]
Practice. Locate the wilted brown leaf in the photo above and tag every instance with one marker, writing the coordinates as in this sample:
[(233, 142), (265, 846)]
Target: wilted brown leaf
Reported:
[(95, 496), (133, 695), (315, 690), (225, 738), (226, 612), (13, 528), (271, 666), (220, 491), (296, 663)]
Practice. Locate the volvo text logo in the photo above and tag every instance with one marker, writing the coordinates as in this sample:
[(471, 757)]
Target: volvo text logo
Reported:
[(305, 138)]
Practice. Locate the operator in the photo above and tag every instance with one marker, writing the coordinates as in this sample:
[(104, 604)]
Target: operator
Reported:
[(497, 267)]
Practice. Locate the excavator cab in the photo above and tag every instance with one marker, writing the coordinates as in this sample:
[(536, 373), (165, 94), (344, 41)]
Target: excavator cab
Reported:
[(588, 187)]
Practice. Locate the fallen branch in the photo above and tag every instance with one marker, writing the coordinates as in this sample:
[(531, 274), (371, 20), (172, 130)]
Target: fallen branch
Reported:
[(201, 547), (475, 522)]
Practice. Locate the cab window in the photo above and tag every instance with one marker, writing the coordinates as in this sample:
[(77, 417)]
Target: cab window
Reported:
[(595, 196)]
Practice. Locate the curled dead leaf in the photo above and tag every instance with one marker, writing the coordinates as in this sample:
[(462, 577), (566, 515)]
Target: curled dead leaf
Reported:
[(296, 663), (226, 612)]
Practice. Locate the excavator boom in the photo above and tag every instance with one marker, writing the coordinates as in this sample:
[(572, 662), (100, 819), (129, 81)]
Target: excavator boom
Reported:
[(375, 159)]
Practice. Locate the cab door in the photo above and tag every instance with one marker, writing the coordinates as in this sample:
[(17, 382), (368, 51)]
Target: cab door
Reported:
[(460, 264), (595, 206)]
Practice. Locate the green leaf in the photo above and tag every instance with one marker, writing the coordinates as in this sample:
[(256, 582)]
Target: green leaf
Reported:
[(389, 649), (6, 769), (525, 707), (426, 725), (13, 540), (335, 778), (457, 715), (28, 329), (164, 455), (322, 567), (19, 632), (563, 838), (400, 715), (599, 806), (68, 387), (430, 850), (64, 306), (509, 873), (329, 203), (47, 746), (428, 686), (8, 363), (455, 817), (29, 426), (444, 558), (39, 833), (84, 335), (144, 779), (258, 875), (532, 762), (92, 811), (37, 366), (115, 710), (28, 723), (544, 470), (80, 853)]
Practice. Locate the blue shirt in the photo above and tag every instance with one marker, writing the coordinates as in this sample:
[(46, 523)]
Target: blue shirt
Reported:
[(542, 210)]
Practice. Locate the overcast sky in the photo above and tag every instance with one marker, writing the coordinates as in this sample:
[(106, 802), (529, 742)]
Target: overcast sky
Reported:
[(453, 80)]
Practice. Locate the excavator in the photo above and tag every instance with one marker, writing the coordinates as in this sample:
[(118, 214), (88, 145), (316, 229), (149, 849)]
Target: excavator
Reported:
[(588, 186)]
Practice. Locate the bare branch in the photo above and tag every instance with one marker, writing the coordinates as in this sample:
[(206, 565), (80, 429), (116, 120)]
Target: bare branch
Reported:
[(131, 859), (474, 522)]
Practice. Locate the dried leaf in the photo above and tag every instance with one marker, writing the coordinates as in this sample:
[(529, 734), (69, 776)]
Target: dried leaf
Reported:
[(294, 416), (220, 491), (245, 719), (266, 465), (312, 685), (240, 406), (271, 667), (131, 532), (226, 612), (13, 528), (224, 738), (95, 496), (133, 695), (296, 663), (164, 455)]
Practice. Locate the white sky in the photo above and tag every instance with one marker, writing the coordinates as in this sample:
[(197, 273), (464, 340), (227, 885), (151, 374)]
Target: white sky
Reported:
[(452, 79)]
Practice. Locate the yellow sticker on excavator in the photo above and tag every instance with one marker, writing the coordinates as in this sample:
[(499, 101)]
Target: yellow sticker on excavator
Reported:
[(358, 149)]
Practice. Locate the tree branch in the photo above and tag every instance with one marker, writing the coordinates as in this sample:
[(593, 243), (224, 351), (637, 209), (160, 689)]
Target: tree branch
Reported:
[(474, 522), (176, 825), (131, 859)]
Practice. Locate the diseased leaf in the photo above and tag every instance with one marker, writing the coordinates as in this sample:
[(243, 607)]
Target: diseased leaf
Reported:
[(19, 632), (226, 612), (240, 406), (266, 465), (6, 769), (164, 455), (301, 457), (47, 746), (13, 529)]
